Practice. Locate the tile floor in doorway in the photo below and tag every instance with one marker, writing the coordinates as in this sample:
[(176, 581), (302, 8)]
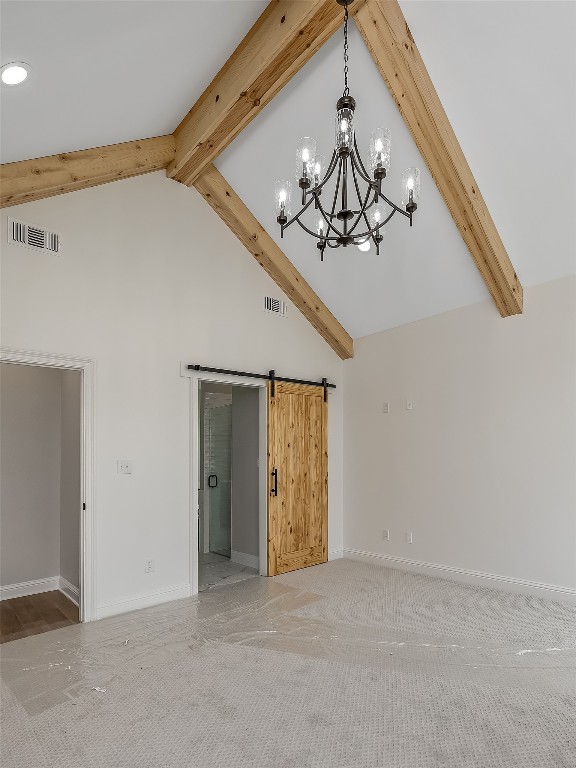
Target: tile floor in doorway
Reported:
[(342, 665), (215, 570)]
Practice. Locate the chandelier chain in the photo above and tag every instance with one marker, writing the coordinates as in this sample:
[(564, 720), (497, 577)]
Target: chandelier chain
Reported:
[(346, 89)]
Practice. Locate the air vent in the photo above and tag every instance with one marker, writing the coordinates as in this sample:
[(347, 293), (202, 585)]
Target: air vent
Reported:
[(275, 306), (18, 232), (33, 237), (36, 237)]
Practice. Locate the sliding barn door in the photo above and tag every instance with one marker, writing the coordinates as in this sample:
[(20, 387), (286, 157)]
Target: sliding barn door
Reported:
[(297, 477)]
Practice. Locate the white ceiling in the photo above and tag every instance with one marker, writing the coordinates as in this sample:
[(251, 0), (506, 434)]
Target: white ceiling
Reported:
[(505, 72), (506, 75), (106, 71)]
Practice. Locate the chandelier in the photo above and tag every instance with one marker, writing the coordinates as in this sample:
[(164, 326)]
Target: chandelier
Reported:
[(352, 216)]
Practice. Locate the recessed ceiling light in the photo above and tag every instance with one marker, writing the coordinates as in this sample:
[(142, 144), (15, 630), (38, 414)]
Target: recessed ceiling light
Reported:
[(14, 73)]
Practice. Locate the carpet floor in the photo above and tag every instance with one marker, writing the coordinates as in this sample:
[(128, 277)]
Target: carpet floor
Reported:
[(343, 665)]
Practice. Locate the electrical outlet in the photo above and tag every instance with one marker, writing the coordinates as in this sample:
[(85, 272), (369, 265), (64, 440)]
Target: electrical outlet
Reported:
[(409, 405), (149, 567), (124, 467), (409, 537), (385, 535)]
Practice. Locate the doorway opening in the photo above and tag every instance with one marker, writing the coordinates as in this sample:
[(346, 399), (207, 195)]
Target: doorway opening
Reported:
[(229, 484), (47, 490), (41, 498)]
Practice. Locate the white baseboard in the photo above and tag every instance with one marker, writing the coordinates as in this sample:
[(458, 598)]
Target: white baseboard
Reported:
[(71, 592), (335, 554), (250, 561), (144, 601), (535, 588), (26, 588)]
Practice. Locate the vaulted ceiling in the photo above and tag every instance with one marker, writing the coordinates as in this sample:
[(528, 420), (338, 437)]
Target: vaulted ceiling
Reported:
[(108, 72), (505, 72)]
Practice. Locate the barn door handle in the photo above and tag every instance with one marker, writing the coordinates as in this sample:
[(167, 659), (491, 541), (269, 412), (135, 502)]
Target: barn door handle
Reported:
[(274, 491), (212, 481)]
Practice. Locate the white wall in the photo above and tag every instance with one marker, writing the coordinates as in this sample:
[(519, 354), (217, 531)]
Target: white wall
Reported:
[(245, 451), (483, 469), (30, 473), (149, 277), (70, 476)]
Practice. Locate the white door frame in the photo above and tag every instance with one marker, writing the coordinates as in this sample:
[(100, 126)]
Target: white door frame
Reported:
[(87, 516), (195, 378)]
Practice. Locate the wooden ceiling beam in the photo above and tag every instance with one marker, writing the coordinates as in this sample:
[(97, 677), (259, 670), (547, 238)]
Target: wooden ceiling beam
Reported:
[(386, 33), (225, 202), (283, 39), (29, 180)]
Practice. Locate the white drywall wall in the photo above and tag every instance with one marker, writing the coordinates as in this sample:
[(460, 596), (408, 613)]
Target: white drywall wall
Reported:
[(245, 449), (148, 277), (70, 476), (30, 473), (482, 469)]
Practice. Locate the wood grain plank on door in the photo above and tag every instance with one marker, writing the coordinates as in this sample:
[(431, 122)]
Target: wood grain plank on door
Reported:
[(297, 450)]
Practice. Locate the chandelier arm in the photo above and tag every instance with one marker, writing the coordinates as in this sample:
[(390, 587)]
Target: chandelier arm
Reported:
[(393, 205), (357, 162), (364, 171), (372, 232), (332, 214), (327, 176), (330, 240), (359, 216), (329, 216), (324, 239), (326, 217), (297, 216), (363, 211), (362, 205)]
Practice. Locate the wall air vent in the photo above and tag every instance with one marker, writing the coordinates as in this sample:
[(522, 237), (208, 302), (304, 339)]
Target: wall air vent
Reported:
[(32, 237), (275, 306)]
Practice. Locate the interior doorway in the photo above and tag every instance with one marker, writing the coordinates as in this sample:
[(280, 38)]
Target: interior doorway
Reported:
[(228, 490), (292, 463), (40, 480)]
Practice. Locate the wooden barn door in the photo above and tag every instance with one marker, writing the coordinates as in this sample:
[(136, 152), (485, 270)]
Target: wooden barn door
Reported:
[(297, 477)]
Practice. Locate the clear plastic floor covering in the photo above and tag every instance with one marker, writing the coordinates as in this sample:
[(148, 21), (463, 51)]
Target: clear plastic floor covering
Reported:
[(344, 665)]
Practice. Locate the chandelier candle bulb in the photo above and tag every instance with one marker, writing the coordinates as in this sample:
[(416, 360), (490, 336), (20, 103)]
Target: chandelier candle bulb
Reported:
[(380, 145), (319, 169), (364, 245), (305, 156), (411, 189), (377, 215), (282, 196), (345, 124)]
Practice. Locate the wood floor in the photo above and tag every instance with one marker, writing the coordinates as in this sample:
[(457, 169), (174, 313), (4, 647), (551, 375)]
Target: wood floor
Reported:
[(32, 615)]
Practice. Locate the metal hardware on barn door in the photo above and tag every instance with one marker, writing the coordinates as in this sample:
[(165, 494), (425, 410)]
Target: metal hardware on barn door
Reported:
[(212, 481), (274, 491), (271, 376)]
